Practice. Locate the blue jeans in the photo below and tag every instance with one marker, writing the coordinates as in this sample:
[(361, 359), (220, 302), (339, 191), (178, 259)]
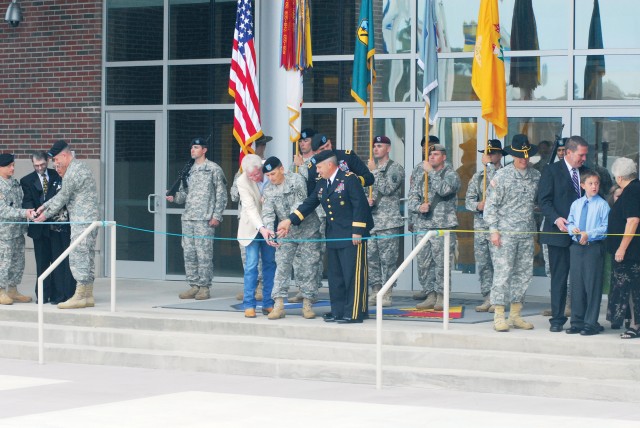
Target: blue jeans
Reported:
[(259, 248)]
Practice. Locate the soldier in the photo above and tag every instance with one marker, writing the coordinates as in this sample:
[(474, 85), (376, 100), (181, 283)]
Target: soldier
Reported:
[(11, 234), (348, 160), (79, 194), (475, 201), (382, 254), (509, 216), (281, 198), (205, 199), (438, 212), (417, 170)]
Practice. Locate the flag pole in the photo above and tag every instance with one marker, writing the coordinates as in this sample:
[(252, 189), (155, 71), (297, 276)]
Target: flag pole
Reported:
[(426, 152), (371, 123), (486, 151)]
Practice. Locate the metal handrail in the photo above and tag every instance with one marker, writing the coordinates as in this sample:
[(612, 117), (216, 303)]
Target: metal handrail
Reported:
[(394, 277), (59, 260)]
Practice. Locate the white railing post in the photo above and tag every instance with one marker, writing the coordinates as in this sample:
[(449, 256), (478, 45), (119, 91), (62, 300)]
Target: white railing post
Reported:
[(113, 264), (447, 280), (381, 293)]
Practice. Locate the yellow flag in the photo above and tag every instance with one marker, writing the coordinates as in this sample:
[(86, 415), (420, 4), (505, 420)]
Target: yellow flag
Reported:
[(487, 77)]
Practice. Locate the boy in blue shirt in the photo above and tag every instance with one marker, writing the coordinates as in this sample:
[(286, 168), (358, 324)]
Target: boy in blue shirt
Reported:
[(587, 225)]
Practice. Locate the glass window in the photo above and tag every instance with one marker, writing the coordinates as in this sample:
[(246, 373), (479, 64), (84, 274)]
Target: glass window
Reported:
[(134, 85), (395, 31), (322, 120), (617, 28), (536, 78), (610, 138), (394, 128), (333, 26), (458, 20), (201, 28), (134, 30), (199, 84), (607, 77), (534, 24), (454, 80)]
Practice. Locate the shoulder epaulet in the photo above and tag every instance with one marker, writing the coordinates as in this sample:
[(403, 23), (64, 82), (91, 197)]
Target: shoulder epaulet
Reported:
[(347, 152), (348, 173), (309, 164)]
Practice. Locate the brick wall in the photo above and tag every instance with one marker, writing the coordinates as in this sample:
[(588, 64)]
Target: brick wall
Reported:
[(50, 74)]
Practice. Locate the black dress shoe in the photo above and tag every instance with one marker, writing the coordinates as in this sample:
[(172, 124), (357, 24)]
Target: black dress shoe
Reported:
[(555, 328), (328, 317), (349, 321), (588, 331), (573, 330)]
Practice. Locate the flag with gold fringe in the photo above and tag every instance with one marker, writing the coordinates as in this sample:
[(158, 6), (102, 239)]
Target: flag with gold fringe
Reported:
[(488, 77), (363, 57)]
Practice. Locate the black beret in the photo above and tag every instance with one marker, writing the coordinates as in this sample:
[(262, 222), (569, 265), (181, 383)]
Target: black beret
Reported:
[(382, 139), (270, 164), (307, 133), (264, 139), (6, 159), (318, 141), (323, 156), (199, 142), (57, 147)]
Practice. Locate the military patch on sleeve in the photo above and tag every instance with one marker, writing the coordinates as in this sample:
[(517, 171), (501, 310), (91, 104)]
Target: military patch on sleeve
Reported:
[(493, 183), (347, 152), (394, 178)]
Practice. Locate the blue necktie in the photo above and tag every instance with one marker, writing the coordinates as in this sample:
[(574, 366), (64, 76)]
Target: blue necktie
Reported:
[(576, 182), (583, 217)]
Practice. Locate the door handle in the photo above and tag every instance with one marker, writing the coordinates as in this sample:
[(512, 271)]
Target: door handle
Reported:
[(151, 207)]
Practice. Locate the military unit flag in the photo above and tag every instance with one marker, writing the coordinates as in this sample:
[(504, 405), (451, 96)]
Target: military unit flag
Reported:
[(428, 60), (364, 72)]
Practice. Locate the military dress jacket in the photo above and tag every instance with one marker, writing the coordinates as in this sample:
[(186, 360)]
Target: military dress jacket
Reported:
[(348, 160), (346, 207)]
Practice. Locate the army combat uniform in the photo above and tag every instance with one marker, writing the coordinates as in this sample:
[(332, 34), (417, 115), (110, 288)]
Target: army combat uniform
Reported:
[(443, 187), (11, 235), (300, 257), (205, 198), (382, 253)]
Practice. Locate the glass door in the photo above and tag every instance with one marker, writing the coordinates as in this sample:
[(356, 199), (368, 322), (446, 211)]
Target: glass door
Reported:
[(136, 192)]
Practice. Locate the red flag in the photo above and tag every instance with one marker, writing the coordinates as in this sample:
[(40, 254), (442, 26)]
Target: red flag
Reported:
[(243, 86)]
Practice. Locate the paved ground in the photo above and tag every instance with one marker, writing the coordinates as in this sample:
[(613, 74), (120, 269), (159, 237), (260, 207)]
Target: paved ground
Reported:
[(72, 395)]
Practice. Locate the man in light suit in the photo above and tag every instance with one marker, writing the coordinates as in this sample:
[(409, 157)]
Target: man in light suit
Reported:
[(255, 237), (559, 187)]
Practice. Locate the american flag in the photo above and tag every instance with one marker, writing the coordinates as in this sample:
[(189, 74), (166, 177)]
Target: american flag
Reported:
[(243, 86)]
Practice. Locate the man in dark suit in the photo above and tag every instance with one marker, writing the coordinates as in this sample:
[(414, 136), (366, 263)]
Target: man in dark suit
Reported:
[(49, 241), (349, 219), (559, 187)]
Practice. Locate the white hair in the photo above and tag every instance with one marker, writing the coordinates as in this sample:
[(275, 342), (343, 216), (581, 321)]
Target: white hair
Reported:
[(251, 162), (624, 168)]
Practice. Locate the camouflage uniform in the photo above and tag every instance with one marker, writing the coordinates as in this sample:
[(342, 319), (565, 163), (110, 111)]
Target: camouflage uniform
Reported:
[(204, 199), (79, 194), (481, 240), (301, 257), (509, 208), (443, 187), (11, 235), (382, 254), (430, 274)]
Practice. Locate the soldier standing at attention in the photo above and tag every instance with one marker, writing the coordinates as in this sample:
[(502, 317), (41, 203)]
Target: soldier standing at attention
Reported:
[(205, 199), (509, 216), (79, 194), (438, 212), (281, 198), (474, 202), (382, 254), (11, 235)]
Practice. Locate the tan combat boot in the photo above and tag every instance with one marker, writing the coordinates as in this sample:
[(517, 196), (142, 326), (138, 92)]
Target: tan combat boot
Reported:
[(88, 295), (278, 309), (484, 307), (386, 298), (419, 295), (492, 309), (307, 310), (203, 293), (76, 301), (429, 302), (4, 299), (439, 302), (499, 323), (240, 296), (374, 294), (190, 293), (258, 296), (296, 299), (515, 320), (12, 292)]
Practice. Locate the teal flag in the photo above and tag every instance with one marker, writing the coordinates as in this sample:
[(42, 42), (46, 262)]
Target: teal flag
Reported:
[(363, 67)]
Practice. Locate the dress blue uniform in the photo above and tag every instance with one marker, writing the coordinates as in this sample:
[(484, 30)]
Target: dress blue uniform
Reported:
[(347, 161)]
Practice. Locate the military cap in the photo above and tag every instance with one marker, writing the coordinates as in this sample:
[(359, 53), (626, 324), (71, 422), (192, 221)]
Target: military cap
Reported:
[(264, 139), (520, 147), (270, 164), (432, 140), (437, 148), (323, 156), (6, 159), (318, 141), (493, 147), (307, 133), (563, 141), (199, 142), (382, 139), (57, 147)]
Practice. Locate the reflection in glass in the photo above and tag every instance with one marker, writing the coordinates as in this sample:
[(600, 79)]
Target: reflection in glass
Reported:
[(134, 31), (134, 85), (333, 23), (524, 71), (610, 138), (199, 84), (620, 82), (618, 22), (135, 142), (323, 120), (396, 26), (454, 80), (551, 72), (550, 17)]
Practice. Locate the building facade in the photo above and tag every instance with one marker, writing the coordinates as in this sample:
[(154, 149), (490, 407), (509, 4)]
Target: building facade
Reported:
[(129, 82)]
